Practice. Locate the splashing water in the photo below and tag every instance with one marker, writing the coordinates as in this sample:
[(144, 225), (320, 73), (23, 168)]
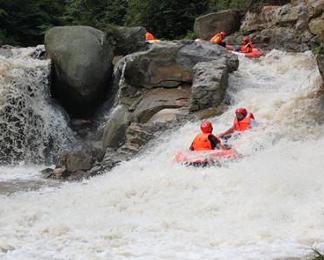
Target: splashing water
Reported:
[(32, 127), (265, 206)]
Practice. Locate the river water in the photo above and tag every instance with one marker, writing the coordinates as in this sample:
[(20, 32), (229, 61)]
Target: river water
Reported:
[(267, 205)]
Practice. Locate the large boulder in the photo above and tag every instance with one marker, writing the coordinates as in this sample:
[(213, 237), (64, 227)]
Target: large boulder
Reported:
[(207, 25), (82, 59), (129, 40), (209, 85), (168, 64)]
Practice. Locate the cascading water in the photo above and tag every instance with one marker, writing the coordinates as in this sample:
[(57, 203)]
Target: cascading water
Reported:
[(264, 206), (32, 128)]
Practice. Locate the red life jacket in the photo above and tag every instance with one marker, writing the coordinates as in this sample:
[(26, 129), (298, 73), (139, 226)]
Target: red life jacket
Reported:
[(201, 142), (244, 124), (247, 47), (217, 38)]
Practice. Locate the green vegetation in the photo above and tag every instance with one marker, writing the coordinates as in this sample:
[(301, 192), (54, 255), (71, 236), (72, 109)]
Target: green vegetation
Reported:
[(24, 22), (216, 5)]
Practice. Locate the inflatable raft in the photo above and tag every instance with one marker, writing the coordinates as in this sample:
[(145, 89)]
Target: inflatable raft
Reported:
[(204, 158), (255, 53)]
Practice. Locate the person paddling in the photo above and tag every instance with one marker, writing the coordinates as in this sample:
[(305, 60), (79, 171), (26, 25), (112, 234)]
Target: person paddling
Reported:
[(206, 140), (243, 121)]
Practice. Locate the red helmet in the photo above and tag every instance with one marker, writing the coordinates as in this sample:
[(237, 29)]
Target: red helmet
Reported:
[(206, 127), (246, 39), (223, 34), (241, 110)]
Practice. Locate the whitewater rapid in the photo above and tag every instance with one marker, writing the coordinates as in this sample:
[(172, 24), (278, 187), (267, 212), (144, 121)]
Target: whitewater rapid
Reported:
[(267, 205)]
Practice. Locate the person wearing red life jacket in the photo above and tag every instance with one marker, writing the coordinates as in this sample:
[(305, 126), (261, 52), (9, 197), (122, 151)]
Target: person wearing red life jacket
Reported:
[(247, 45), (206, 140), (149, 36), (243, 121), (218, 39)]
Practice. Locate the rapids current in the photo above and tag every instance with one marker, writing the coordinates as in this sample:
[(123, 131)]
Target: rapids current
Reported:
[(267, 205)]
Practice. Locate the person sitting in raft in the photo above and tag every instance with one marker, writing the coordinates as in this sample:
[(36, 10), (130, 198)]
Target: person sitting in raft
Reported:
[(206, 140), (243, 121), (149, 37), (218, 39), (247, 45)]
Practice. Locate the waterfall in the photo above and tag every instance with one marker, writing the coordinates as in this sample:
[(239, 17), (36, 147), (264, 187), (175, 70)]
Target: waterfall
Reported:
[(33, 129)]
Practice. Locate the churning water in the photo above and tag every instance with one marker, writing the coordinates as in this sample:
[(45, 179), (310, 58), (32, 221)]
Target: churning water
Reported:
[(32, 127), (267, 205)]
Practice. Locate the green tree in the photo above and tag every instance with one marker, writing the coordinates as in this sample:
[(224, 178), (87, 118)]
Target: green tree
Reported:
[(24, 22), (96, 13), (166, 18)]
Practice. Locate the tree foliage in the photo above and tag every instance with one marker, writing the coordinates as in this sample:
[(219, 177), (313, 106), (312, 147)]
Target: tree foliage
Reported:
[(23, 22)]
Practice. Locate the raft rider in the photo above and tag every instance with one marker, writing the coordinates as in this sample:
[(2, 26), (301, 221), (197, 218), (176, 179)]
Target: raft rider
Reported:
[(218, 39), (206, 140), (247, 45), (243, 121)]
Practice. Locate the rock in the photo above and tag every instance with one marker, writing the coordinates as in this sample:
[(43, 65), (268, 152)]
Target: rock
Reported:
[(114, 132), (316, 26), (320, 62), (169, 115), (59, 173), (82, 58), (315, 8), (289, 14), (258, 21), (47, 172), (208, 25), (167, 64), (129, 40), (39, 53), (209, 85), (74, 161), (157, 99)]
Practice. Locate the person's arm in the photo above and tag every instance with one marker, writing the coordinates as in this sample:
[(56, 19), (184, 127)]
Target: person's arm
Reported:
[(216, 143), (227, 132)]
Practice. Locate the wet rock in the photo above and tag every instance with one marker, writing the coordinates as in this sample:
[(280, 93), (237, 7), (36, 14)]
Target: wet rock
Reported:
[(208, 25), (155, 100), (320, 62), (47, 172), (59, 173), (82, 58), (114, 132), (74, 161), (209, 85), (39, 53)]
